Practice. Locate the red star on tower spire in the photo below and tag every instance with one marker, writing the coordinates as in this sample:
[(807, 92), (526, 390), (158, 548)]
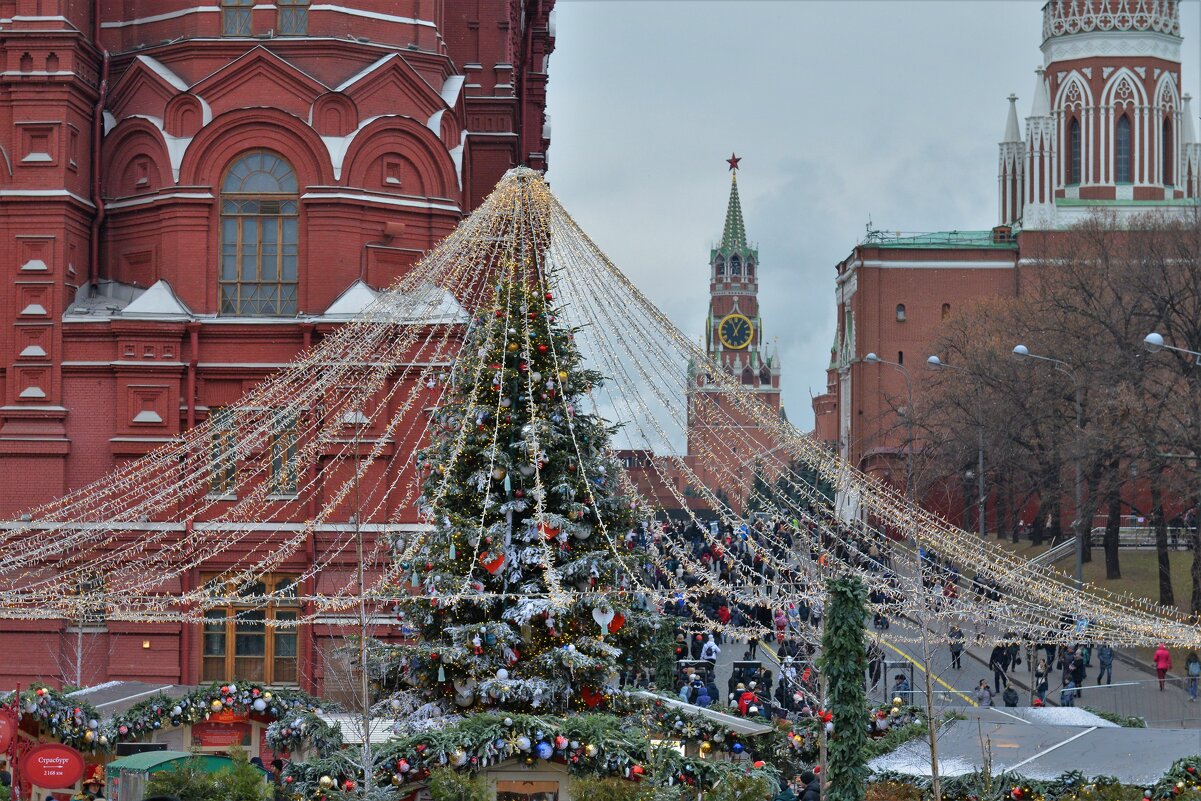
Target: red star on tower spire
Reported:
[(733, 161)]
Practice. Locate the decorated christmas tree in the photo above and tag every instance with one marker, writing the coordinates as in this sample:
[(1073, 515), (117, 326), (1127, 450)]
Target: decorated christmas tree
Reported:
[(527, 599)]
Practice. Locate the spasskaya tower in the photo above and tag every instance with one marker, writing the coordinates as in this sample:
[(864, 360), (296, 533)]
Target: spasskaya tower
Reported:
[(734, 342)]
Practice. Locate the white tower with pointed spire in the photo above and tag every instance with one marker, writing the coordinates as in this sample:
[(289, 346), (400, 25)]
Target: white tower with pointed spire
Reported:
[(1190, 166), (1011, 169), (1038, 210)]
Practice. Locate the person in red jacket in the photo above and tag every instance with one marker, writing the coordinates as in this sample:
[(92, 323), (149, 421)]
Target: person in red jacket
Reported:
[(747, 698), (1163, 663)]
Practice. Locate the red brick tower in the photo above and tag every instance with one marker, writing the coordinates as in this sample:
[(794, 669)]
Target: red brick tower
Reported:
[(718, 432)]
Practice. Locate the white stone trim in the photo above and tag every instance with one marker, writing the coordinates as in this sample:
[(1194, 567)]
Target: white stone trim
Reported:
[(355, 12), (1115, 44), (45, 193), (145, 199), (183, 12), (387, 201), (936, 265)]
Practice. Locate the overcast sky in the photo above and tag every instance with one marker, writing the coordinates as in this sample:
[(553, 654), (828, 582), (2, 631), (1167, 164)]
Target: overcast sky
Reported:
[(842, 111)]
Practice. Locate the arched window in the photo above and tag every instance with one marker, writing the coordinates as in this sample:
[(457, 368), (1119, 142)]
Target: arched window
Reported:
[(721, 267), (900, 312), (750, 269), (1168, 178), (1121, 151), (748, 376), (946, 310), (258, 236), (735, 265), (1074, 147)]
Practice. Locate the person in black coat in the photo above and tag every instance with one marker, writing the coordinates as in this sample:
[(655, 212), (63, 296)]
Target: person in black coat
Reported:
[(813, 786), (998, 660)]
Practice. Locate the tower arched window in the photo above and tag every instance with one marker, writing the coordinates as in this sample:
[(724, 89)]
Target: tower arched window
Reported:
[(750, 269), (259, 233), (1168, 178), (1074, 162), (1121, 150), (946, 310), (735, 265), (900, 312), (720, 266), (748, 376)]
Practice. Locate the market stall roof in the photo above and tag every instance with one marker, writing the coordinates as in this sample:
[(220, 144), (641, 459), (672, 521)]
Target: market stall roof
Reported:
[(732, 722), (147, 761), (1045, 749), (114, 697)]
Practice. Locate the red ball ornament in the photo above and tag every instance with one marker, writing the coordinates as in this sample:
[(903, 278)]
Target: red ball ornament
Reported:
[(637, 770), (543, 348), (433, 657), (288, 780), (500, 312), (549, 296), (533, 315)]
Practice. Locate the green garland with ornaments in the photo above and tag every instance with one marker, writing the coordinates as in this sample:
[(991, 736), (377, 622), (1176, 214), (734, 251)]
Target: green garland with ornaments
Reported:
[(72, 721), (592, 744), (244, 698)]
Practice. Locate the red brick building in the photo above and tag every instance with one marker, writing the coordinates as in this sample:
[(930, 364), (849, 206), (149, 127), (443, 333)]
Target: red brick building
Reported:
[(192, 193), (1109, 128)]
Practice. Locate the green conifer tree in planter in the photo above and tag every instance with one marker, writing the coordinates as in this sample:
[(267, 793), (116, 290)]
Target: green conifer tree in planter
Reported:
[(843, 663)]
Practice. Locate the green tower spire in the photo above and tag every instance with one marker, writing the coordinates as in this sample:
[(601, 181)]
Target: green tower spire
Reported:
[(733, 236)]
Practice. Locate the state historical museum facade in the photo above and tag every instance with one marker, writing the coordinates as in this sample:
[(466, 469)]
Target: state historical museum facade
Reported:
[(192, 194)]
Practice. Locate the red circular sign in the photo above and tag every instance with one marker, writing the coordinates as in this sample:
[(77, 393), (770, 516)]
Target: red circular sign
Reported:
[(6, 732), (52, 766)]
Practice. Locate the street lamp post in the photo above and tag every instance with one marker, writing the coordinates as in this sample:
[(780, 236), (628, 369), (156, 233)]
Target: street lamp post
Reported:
[(872, 358), (1154, 343), (981, 499), (924, 620), (1021, 353)]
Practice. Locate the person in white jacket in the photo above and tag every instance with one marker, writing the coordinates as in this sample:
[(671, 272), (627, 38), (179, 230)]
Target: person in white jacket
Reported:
[(710, 651)]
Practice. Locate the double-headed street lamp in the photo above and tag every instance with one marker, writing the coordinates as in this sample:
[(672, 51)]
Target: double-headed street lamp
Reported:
[(1021, 353), (872, 358), (981, 498)]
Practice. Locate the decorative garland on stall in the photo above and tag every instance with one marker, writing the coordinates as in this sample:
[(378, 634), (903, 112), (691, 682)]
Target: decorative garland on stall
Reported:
[(595, 744), (243, 698), (74, 722)]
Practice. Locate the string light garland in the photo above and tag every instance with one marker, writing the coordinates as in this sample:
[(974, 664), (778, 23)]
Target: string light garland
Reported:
[(354, 404)]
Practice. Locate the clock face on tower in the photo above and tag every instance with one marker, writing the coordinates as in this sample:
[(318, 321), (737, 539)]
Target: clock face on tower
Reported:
[(735, 331)]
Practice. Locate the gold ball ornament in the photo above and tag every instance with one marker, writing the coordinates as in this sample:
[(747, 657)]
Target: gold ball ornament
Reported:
[(706, 747), (897, 701), (216, 706), (326, 782), (562, 375)]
